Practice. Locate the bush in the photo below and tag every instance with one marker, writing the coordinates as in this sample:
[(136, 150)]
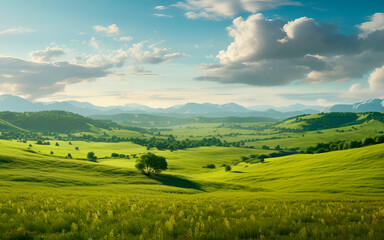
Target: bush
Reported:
[(210, 166), (228, 168)]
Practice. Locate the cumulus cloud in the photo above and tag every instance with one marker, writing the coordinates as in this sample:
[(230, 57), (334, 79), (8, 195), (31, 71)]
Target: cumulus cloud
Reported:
[(376, 24), (152, 54), (46, 55), (35, 80), (109, 30), (16, 30), (216, 9), (374, 89), (272, 52)]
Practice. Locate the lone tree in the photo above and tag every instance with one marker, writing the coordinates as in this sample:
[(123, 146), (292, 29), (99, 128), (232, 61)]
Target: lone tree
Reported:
[(91, 156), (150, 163)]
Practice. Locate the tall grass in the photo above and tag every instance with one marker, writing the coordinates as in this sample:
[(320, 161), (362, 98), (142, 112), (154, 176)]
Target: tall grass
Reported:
[(45, 215)]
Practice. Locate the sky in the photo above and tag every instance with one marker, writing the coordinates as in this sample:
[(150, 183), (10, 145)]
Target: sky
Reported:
[(163, 52)]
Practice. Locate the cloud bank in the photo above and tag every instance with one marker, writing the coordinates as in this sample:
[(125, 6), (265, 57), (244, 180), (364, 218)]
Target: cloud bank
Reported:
[(272, 52), (34, 80)]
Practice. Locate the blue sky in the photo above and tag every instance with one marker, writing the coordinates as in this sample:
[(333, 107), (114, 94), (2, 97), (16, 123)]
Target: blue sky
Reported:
[(162, 53)]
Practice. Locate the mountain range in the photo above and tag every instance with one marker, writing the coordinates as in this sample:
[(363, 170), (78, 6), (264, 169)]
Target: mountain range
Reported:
[(18, 104), (373, 105)]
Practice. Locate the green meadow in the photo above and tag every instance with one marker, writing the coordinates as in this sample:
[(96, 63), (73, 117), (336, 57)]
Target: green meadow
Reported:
[(333, 195)]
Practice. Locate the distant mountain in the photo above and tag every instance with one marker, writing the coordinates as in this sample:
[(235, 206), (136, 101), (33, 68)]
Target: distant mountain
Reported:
[(18, 104), (373, 105), (291, 108)]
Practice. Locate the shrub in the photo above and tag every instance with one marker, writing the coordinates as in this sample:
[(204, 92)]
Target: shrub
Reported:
[(210, 166)]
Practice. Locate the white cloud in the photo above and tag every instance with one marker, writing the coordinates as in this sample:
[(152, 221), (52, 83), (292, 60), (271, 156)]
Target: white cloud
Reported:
[(94, 43), (41, 79), (125, 39), (376, 24), (374, 89), (16, 30), (162, 15), (152, 54), (109, 30), (160, 7), (271, 52), (215, 9), (138, 53), (47, 55)]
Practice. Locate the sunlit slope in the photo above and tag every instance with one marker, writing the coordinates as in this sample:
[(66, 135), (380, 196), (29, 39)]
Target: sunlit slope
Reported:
[(348, 172), (303, 140), (322, 121), (357, 171)]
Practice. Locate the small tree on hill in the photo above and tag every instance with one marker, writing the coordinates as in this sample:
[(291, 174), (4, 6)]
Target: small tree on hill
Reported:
[(228, 168), (91, 156), (69, 155), (150, 163), (57, 144)]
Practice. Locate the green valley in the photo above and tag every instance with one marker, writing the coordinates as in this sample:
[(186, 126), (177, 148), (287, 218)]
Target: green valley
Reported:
[(51, 190)]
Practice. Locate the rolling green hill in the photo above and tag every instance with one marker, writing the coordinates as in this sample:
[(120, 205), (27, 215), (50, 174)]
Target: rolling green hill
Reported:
[(146, 120), (296, 197), (334, 172), (58, 122), (322, 121), (54, 121)]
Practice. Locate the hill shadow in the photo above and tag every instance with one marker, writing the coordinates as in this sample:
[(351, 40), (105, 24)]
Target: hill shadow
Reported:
[(176, 181)]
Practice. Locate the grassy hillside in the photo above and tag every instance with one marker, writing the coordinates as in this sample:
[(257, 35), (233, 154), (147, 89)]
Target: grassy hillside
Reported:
[(53, 121), (334, 195), (322, 121), (333, 172)]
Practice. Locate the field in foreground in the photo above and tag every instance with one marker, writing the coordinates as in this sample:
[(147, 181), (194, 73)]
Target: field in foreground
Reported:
[(335, 195)]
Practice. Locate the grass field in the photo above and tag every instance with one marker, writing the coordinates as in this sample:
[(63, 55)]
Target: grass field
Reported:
[(335, 195)]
